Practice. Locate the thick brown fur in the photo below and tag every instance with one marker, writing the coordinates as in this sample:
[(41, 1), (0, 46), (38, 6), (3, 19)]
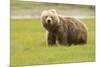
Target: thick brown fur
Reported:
[(65, 30)]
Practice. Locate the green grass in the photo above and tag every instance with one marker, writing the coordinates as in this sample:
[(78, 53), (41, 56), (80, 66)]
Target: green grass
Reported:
[(28, 45)]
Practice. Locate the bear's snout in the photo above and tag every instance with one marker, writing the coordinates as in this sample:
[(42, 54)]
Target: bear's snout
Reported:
[(49, 20)]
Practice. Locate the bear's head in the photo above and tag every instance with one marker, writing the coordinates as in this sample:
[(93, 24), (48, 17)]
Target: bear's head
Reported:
[(50, 19)]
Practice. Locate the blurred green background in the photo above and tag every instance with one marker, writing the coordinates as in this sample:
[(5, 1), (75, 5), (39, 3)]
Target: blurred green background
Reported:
[(28, 43), (28, 9)]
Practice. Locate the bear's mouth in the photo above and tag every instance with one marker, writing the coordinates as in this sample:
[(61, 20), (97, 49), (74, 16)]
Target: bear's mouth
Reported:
[(47, 25)]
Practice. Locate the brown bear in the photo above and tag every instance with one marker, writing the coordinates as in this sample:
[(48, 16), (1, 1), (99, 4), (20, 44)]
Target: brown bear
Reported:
[(65, 30)]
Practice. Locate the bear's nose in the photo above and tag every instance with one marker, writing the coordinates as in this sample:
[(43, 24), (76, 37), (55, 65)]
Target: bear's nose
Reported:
[(48, 21)]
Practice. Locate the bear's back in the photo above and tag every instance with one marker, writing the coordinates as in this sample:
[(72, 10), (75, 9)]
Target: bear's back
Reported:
[(75, 29)]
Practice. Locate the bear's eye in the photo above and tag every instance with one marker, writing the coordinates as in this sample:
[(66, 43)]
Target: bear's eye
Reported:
[(52, 17), (46, 16)]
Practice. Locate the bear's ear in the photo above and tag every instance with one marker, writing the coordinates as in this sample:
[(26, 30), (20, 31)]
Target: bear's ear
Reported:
[(53, 10)]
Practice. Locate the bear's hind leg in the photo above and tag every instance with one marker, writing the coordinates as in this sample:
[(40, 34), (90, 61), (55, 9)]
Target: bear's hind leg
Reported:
[(83, 39)]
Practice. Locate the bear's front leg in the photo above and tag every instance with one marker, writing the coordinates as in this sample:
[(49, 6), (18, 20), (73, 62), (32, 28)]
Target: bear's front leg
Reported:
[(62, 39), (51, 39)]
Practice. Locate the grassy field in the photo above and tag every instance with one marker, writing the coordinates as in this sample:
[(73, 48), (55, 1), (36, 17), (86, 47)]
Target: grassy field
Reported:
[(28, 45)]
